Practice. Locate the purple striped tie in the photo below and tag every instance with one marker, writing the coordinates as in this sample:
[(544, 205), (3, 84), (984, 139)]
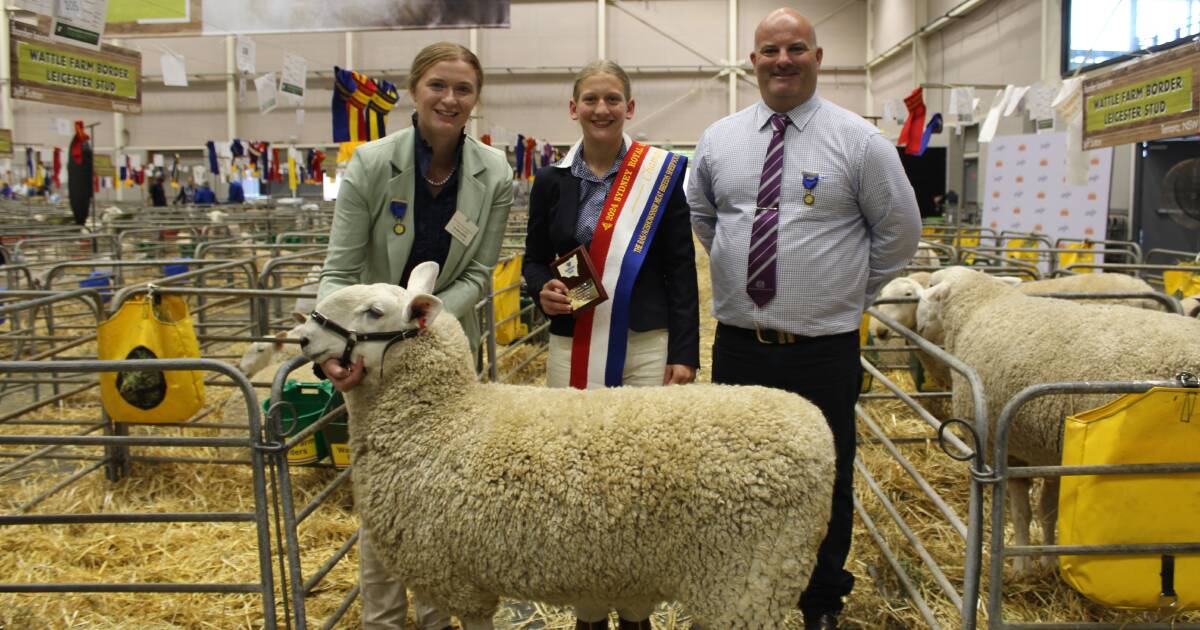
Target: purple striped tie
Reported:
[(760, 272)]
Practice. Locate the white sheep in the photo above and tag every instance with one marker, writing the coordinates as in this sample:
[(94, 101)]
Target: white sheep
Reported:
[(937, 374), (1013, 341), (908, 287), (926, 256), (1096, 283), (260, 354), (110, 214), (715, 496)]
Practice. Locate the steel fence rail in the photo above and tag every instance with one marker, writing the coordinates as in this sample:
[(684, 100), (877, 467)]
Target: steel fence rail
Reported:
[(259, 515)]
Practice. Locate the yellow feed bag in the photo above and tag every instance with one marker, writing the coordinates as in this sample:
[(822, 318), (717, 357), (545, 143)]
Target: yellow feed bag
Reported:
[(1159, 426), (506, 282), (967, 238), (1181, 284), (1022, 243), (143, 330), (1066, 259)]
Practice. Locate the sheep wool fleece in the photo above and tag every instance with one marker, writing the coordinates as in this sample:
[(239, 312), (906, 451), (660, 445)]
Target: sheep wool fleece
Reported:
[(1014, 341), (713, 496)]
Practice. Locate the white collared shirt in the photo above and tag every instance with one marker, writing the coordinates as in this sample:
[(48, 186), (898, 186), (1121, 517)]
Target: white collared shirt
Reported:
[(832, 256), (592, 191)]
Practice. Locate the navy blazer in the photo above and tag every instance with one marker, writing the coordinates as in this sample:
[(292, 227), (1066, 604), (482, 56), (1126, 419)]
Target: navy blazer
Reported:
[(664, 295)]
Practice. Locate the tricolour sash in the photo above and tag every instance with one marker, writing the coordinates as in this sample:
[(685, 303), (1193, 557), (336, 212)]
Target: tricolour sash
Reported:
[(628, 221)]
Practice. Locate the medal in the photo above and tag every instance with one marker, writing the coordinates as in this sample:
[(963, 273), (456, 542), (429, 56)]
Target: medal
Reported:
[(810, 183), (398, 207)]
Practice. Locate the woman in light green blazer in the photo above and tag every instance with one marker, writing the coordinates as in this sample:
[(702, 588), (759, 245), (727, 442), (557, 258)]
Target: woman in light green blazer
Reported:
[(379, 222), (428, 192)]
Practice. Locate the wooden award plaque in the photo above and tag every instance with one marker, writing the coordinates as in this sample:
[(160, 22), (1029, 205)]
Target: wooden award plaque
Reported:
[(575, 270)]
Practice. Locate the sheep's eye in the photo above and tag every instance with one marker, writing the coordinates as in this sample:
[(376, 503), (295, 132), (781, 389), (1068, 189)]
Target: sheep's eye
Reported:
[(375, 312)]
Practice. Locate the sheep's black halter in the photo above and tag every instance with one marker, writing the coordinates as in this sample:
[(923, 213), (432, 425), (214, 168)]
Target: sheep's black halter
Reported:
[(353, 337)]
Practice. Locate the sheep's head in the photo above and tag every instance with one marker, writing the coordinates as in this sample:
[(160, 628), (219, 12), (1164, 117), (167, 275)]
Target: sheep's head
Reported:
[(944, 286), (381, 312), (260, 354), (905, 313)]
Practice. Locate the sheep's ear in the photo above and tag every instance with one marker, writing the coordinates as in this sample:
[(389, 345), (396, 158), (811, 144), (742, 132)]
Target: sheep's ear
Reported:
[(279, 344), (935, 293), (300, 318), (422, 309), (423, 278), (1011, 281)]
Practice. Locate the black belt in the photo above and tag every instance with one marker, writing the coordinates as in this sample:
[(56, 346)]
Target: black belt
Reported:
[(770, 336)]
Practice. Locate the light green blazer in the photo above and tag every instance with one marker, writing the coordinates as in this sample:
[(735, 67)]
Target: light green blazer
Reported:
[(363, 245)]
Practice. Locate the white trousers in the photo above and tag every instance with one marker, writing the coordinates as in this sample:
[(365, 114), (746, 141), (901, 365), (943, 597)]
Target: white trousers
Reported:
[(384, 601), (645, 359)]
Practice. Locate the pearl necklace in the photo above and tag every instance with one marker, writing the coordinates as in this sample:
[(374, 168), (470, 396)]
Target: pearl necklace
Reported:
[(444, 180)]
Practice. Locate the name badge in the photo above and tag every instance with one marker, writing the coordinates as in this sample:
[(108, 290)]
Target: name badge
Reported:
[(461, 228)]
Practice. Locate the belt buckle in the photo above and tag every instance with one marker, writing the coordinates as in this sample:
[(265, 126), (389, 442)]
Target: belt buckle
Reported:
[(780, 337)]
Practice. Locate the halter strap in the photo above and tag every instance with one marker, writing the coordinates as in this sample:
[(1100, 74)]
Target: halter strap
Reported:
[(354, 337)]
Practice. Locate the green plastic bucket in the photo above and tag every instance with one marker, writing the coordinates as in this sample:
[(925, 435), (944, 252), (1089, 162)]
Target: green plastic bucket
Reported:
[(307, 405), (337, 434)]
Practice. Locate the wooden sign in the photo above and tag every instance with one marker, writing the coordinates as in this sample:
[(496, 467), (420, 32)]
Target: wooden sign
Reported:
[(109, 79), (1152, 98)]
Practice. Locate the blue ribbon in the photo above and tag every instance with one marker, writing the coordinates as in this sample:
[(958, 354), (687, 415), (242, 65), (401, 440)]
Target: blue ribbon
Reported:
[(934, 126), (398, 208), (811, 180)]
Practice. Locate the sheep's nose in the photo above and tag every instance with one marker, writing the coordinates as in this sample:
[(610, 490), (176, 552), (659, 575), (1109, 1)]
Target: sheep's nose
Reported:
[(883, 333), (303, 342)]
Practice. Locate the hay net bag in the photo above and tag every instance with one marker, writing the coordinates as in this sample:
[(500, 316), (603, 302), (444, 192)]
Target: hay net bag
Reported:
[(150, 327), (1159, 426)]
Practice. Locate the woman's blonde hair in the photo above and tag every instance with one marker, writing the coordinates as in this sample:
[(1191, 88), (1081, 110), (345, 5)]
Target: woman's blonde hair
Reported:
[(603, 66), (436, 53)]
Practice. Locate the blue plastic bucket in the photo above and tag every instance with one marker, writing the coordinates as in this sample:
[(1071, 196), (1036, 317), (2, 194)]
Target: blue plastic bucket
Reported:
[(101, 280), (175, 269)]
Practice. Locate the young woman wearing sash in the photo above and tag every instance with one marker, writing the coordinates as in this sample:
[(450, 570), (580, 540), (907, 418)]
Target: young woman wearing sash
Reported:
[(625, 202), (428, 192)]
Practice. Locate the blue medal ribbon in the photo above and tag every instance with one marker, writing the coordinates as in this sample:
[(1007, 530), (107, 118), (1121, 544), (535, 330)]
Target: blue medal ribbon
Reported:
[(810, 182)]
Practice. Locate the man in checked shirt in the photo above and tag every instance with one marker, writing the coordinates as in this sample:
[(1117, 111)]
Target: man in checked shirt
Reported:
[(806, 213)]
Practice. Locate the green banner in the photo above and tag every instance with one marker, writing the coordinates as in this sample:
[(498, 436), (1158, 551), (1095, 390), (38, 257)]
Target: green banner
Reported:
[(6, 147), (56, 67), (1163, 95), (135, 10)]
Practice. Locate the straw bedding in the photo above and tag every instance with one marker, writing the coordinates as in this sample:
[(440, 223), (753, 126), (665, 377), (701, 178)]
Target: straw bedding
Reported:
[(212, 552)]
